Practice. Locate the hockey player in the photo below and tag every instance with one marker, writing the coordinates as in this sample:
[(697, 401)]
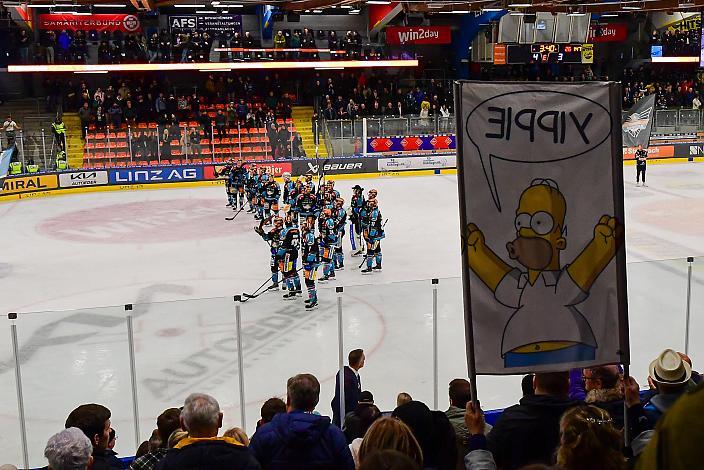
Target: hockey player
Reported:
[(238, 178), (328, 241), (251, 189), (259, 194), (270, 197), (288, 257), (307, 203), (226, 171), (356, 205), (373, 234), (273, 238), (289, 197), (309, 183), (340, 217), (311, 260)]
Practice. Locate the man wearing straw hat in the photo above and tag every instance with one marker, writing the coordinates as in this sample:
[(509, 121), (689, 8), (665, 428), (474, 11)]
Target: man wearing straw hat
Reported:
[(671, 375)]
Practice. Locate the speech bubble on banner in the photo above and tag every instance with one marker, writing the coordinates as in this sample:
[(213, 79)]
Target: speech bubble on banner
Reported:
[(535, 126)]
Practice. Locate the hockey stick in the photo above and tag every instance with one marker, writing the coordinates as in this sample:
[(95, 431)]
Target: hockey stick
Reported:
[(234, 216), (257, 293)]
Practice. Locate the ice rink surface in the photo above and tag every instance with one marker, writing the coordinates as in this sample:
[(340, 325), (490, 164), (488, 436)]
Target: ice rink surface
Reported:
[(170, 252)]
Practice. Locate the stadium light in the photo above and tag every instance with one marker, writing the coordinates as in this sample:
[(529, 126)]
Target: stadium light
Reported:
[(211, 66), (187, 5), (378, 2), (109, 5)]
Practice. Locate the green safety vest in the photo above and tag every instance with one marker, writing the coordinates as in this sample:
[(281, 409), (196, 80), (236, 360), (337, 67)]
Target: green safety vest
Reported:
[(59, 128), (32, 168), (61, 164), (15, 168)]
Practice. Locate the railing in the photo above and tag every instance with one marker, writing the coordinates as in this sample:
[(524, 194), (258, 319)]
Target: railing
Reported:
[(348, 137), (154, 354)]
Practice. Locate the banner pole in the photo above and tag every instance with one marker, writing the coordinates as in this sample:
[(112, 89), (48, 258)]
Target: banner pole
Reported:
[(18, 383), (690, 260), (340, 355), (240, 359), (436, 381), (468, 325)]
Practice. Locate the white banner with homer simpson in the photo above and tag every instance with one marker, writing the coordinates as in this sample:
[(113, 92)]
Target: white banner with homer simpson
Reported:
[(541, 205)]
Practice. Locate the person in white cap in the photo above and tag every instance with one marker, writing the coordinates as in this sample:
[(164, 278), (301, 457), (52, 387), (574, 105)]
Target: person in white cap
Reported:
[(671, 375)]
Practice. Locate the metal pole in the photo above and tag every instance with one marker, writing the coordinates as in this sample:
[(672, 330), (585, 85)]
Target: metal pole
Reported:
[(435, 344), (18, 383), (133, 373), (129, 140), (290, 141), (24, 167), (239, 137), (690, 260), (46, 166), (341, 354), (364, 138), (212, 142), (158, 147), (240, 359), (109, 152), (626, 432)]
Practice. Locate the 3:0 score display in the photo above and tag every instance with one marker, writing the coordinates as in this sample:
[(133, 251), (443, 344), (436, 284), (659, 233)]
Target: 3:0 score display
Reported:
[(556, 53), (545, 53)]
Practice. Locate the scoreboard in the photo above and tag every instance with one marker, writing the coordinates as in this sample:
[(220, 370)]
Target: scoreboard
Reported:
[(543, 53)]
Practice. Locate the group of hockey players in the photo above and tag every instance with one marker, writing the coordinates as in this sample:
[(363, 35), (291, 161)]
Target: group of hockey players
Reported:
[(307, 221)]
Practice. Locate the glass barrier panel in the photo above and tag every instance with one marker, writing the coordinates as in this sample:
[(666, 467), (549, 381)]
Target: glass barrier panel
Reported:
[(346, 129), (373, 127), (281, 339), (666, 117), (656, 314), (689, 117), (696, 313), (419, 125), (358, 127), (446, 125), (494, 392), (394, 126), (393, 324), (334, 129), (10, 437), (70, 358), (185, 347)]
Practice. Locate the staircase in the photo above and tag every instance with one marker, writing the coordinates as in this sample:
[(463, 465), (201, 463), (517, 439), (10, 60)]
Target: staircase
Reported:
[(74, 140), (302, 120)]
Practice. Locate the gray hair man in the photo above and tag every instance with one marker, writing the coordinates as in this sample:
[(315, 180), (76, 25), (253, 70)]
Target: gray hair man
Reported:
[(69, 449), (202, 418)]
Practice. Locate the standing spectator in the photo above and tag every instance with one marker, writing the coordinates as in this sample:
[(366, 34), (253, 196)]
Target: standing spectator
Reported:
[(153, 47), (115, 114), (248, 43), (69, 449), (58, 128), (94, 421), (194, 139), (530, 431), (242, 110), (279, 43), (64, 42), (160, 105), (390, 434), (84, 115), (353, 426), (23, 43), (271, 408), (202, 418), (10, 127), (352, 384), (220, 123), (165, 47), (460, 394), (207, 125), (166, 423), (296, 44), (50, 46), (299, 439), (604, 390), (434, 433)]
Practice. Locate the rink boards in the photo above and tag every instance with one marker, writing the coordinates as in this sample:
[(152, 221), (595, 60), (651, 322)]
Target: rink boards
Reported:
[(156, 177)]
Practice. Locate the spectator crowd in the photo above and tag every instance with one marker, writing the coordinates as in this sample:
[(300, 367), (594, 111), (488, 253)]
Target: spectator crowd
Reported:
[(66, 46), (570, 420), (677, 41)]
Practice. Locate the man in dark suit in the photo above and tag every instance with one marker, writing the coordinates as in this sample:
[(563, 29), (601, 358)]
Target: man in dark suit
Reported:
[(352, 384)]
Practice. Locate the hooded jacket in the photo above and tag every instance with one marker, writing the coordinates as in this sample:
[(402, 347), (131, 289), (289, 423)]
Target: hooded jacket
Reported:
[(528, 432), (298, 441)]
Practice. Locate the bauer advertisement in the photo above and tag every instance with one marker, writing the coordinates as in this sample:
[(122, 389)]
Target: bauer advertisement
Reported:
[(541, 205)]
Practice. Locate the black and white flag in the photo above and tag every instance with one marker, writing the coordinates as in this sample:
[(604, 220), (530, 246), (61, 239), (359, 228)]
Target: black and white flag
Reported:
[(638, 123)]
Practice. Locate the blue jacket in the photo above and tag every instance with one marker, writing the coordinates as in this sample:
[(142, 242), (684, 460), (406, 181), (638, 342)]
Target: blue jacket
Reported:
[(301, 441)]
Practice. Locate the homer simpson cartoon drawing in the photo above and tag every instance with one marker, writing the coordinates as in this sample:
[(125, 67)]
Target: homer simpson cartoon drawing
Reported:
[(546, 326)]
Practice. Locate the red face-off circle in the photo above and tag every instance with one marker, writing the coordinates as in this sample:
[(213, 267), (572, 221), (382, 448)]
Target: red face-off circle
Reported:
[(143, 222)]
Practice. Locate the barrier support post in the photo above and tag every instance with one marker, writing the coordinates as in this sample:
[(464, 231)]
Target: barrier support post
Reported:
[(690, 260), (435, 344), (18, 383), (46, 166), (240, 359), (133, 373), (341, 355), (364, 136)]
